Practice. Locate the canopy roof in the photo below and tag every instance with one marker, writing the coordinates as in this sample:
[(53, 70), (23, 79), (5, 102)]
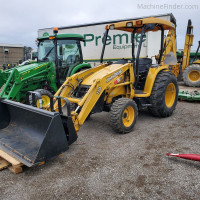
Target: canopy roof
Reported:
[(129, 26), (63, 36)]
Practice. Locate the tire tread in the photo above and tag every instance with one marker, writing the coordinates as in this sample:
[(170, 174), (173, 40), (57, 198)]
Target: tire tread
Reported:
[(156, 99), (185, 76), (116, 113)]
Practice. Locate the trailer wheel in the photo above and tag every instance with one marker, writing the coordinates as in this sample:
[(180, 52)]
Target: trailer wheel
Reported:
[(164, 95), (123, 115), (46, 95), (191, 76)]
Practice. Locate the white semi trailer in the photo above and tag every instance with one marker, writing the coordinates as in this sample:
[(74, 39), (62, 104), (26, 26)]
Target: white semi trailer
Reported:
[(118, 43)]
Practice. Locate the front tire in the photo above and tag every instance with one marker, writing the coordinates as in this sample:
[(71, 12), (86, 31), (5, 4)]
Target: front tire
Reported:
[(123, 115), (191, 76), (46, 96), (164, 95)]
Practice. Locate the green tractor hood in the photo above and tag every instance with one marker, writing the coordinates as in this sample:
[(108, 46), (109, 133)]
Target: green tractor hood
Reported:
[(21, 77)]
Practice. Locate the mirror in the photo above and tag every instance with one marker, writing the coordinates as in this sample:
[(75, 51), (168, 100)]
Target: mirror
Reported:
[(170, 59)]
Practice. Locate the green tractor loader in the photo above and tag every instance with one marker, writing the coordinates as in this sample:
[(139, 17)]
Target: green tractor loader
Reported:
[(59, 56)]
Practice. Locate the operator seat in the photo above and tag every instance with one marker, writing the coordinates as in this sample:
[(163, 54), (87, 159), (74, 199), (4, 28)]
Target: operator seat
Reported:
[(144, 65), (122, 61), (143, 69)]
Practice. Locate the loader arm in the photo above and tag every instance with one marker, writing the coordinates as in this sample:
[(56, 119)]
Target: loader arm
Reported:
[(98, 88)]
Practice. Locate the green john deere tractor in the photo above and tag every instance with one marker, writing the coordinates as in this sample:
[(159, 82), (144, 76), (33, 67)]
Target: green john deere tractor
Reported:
[(59, 56)]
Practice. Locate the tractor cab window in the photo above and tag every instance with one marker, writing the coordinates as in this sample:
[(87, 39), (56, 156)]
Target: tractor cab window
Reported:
[(69, 56), (68, 52), (46, 51)]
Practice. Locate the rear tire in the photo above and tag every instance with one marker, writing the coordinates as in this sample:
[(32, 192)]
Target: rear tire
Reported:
[(123, 115), (164, 95), (191, 75)]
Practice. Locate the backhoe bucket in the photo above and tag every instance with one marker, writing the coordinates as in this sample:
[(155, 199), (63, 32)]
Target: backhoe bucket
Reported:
[(33, 135)]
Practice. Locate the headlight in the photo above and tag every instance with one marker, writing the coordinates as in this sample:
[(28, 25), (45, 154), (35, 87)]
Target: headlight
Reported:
[(129, 24), (112, 27)]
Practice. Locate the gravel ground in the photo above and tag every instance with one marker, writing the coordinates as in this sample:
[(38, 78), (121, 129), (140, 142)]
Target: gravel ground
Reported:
[(104, 165)]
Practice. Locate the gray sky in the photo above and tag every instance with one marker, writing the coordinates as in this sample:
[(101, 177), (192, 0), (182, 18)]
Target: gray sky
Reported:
[(20, 19)]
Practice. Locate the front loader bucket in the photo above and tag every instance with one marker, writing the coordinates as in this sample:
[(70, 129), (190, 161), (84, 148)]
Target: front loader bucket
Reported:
[(33, 135)]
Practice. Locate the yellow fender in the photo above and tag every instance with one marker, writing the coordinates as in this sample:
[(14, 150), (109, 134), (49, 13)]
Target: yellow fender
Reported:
[(152, 74)]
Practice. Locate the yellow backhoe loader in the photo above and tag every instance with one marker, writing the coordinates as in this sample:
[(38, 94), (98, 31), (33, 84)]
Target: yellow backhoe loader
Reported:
[(191, 73), (32, 135)]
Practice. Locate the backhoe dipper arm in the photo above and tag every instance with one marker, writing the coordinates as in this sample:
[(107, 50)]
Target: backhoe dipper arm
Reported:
[(188, 43)]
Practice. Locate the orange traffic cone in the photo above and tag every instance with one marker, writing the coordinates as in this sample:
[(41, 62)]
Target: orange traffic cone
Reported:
[(186, 156)]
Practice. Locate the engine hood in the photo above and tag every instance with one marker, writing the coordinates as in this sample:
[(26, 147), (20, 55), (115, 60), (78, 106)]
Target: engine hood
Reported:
[(101, 73)]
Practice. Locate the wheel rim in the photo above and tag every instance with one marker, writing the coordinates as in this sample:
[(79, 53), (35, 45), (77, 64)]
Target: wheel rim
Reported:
[(45, 101), (170, 95), (194, 75), (128, 116)]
